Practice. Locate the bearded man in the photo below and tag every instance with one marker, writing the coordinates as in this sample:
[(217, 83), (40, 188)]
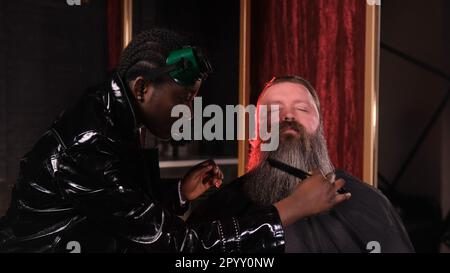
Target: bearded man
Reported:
[(366, 222)]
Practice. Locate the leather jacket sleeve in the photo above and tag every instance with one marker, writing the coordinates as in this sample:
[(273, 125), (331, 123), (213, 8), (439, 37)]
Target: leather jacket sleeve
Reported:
[(165, 191), (101, 184), (171, 196)]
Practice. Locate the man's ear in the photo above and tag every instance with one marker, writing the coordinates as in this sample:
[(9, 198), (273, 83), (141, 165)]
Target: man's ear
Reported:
[(139, 87)]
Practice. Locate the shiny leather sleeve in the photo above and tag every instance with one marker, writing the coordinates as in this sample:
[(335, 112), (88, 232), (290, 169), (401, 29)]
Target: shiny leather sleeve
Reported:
[(166, 190), (170, 193), (100, 184)]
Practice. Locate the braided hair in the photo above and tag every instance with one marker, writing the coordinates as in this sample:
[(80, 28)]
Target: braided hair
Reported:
[(147, 50)]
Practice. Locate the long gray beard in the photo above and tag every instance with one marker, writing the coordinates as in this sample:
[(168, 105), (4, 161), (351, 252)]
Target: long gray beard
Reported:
[(266, 185)]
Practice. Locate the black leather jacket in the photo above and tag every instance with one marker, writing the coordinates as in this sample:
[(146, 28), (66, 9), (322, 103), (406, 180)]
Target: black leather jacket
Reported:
[(87, 186)]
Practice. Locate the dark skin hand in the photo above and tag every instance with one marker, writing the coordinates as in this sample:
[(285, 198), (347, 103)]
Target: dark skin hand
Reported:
[(312, 196), (200, 178)]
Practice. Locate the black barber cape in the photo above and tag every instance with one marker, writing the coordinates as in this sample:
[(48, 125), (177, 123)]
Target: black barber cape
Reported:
[(367, 222)]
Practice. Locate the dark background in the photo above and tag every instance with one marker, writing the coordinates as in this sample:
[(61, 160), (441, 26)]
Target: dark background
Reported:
[(409, 95), (49, 53)]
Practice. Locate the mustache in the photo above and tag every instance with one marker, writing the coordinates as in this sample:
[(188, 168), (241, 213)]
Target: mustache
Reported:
[(287, 124)]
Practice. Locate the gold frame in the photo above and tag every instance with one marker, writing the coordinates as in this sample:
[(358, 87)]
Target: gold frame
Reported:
[(371, 79), (244, 76), (127, 22)]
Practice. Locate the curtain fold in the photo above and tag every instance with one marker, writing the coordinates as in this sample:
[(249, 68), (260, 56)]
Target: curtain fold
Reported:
[(322, 41)]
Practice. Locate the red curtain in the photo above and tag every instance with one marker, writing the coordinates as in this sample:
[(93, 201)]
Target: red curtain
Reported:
[(322, 41), (114, 28)]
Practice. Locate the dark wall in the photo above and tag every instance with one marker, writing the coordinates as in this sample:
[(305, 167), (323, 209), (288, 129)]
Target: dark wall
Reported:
[(49, 53), (408, 97)]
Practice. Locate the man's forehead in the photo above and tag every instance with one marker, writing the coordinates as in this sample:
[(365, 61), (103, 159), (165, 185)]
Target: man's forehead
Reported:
[(285, 91)]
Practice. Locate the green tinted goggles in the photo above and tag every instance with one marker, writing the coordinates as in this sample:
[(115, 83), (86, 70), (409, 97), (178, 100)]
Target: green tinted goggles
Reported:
[(185, 66)]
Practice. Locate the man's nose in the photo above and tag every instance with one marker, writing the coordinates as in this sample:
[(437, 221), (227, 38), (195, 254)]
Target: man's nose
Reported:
[(288, 116)]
